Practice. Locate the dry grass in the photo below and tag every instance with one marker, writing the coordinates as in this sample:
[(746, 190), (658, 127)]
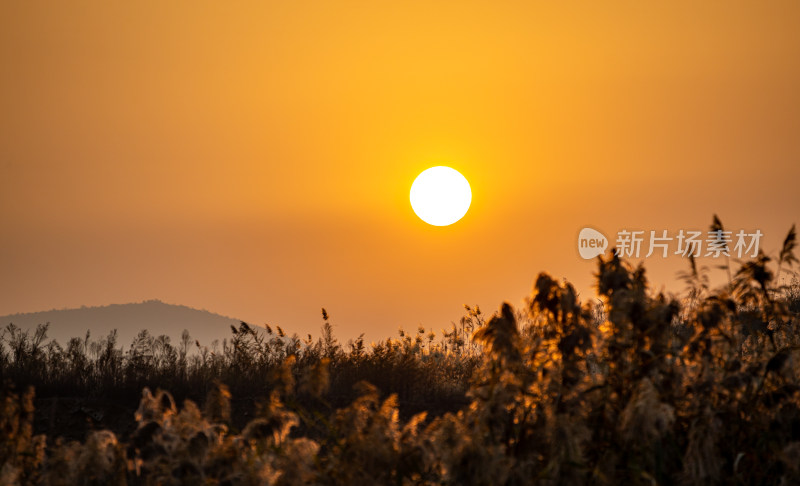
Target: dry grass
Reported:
[(647, 389)]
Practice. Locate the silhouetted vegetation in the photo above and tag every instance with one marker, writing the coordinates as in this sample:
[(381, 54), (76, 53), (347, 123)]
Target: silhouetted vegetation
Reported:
[(643, 389), (426, 373)]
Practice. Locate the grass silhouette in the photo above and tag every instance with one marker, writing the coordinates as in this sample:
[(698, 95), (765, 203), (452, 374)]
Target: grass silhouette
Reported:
[(641, 389)]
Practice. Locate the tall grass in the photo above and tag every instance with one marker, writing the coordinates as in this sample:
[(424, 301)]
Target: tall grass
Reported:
[(644, 389), (424, 370)]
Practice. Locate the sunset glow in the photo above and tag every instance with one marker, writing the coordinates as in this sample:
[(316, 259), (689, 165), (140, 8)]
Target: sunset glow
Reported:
[(337, 242), (256, 159)]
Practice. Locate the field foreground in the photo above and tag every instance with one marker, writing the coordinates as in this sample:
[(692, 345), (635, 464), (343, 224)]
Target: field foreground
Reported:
[(643, 389)]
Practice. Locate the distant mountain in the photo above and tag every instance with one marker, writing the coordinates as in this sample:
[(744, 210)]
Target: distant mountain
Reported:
[(128, 319)]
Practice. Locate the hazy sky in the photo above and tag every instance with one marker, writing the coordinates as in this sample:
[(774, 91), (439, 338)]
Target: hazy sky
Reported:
[(254, 159)]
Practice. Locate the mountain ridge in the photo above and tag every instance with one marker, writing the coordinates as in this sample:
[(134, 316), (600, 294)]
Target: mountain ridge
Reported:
[(154, 315)]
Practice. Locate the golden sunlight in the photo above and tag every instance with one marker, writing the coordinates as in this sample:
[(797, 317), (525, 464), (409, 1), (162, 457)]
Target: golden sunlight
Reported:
[(440, 196)]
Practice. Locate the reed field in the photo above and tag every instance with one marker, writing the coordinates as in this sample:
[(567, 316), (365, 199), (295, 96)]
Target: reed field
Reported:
[(631, 387)]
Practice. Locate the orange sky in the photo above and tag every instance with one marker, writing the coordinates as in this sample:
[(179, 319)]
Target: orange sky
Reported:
[(254, 159)]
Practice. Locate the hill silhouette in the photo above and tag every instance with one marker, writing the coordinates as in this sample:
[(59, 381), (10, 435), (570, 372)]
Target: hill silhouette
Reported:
[(128, 319)]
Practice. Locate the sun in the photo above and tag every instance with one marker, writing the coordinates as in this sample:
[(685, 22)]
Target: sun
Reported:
[(440, 196)]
